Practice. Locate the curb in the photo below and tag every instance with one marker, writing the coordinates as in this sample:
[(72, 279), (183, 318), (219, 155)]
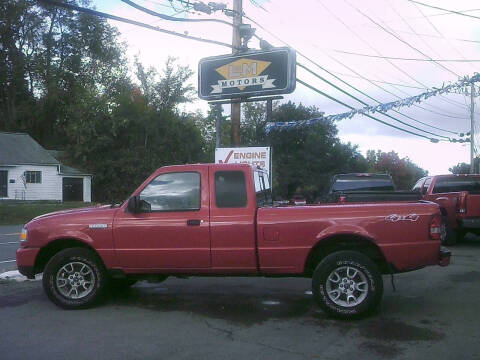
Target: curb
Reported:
[(16, 276)]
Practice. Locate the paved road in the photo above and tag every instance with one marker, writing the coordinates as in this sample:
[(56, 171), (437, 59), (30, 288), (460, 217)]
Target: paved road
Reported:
[(432, 315), (9, 243)]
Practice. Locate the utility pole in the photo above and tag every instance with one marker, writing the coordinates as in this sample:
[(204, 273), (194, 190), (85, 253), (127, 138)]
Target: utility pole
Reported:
[(218, 125), (236, 43), (472, 127)]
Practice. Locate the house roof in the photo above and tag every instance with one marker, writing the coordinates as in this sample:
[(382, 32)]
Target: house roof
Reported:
[(20, 148), (67, 170)]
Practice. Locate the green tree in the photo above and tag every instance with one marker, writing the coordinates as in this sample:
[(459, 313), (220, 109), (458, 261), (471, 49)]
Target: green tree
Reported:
[(460, 168), (304, 158), (403, 171), (123, 138)]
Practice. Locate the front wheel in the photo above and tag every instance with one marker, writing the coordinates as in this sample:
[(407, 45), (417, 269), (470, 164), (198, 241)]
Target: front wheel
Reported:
[(74, 278), (347, 285)]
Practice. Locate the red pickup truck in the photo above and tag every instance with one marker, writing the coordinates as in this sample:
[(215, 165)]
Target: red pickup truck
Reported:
[(217, 219), (459, 199)]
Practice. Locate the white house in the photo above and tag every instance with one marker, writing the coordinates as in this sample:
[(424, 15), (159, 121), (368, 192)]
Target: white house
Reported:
[(29, 172)]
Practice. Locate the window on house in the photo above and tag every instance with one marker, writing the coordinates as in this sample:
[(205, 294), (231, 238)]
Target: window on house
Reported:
[(33, 177)]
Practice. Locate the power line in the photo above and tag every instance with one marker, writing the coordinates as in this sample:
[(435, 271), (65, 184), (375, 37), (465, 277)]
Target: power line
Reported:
[(171, 18), (368, 115), (389, 61), (322, 68), (405, 59), (364, 103), (398, 97), (450, 11), (398, 37), (129, 21)]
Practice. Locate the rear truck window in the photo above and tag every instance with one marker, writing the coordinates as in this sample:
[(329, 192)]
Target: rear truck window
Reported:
[(456, 184), (230, 189), (366, 184), (262, 188)]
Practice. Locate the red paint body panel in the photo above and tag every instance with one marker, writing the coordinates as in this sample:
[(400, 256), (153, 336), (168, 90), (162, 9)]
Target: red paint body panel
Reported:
[(300, 229), (162, 240), (235, 240), (448, 201)]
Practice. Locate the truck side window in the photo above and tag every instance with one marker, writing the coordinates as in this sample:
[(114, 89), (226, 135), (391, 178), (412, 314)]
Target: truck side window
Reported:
[(173, 192), (426, 184), (230, 189)]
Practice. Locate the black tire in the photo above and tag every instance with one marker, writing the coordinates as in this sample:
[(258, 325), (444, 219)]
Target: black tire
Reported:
[(78, 269), (344, 264)]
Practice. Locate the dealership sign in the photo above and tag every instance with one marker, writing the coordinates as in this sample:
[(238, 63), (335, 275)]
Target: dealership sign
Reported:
[(254, 73), (258, 156)]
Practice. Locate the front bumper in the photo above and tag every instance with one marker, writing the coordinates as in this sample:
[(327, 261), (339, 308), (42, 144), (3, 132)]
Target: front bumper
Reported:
[(26, 261), (28, 271), (444, 256)]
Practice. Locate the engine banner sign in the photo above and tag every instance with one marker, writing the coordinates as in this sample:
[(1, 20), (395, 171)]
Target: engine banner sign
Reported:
[(258, 156), (254, 73)]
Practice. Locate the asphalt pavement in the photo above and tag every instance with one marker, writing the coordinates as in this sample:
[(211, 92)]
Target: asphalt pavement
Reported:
[(9, 243), (432, 315)]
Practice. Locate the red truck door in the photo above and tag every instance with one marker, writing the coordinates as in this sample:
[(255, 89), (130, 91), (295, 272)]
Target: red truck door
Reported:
[(232, 219), (174, 234)]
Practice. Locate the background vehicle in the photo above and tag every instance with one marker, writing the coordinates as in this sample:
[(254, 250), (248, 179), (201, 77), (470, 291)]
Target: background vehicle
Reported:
[(217, 219), (459, 199), (366, 187)]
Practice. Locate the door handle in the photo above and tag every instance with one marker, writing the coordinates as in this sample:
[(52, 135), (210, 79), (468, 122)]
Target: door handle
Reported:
[(194, 222)]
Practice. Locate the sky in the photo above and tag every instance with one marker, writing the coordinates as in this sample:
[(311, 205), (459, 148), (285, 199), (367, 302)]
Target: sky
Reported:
[(324, 30)]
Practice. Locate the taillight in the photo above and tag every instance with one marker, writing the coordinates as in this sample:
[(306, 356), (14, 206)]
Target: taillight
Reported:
[(435, 230), (462, 203)]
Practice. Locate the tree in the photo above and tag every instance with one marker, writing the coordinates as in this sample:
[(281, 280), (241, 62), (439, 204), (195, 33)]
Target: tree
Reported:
[(403, 171), (133, 135), (460, 168), (304, 158)]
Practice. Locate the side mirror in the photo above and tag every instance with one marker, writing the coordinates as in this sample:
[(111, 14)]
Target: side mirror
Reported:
[(132, 205)]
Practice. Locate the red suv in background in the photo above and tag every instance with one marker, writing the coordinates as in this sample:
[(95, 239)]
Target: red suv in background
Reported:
[(459, 199)]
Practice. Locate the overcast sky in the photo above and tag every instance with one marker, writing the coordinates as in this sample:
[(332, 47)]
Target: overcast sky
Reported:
[(321, 29)]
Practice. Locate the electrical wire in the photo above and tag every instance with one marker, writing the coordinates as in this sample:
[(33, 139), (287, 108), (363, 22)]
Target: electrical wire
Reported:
[(322, 68), (405, 59), (450, 11), (129, 21), (367, 115), (355, 33), (172, 18), (364, 103), (398, 37)]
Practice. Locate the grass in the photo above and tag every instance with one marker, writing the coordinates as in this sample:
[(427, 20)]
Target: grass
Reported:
[(12, 213)]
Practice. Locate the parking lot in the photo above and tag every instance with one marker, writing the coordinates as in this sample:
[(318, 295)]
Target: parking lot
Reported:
[(433, 314)]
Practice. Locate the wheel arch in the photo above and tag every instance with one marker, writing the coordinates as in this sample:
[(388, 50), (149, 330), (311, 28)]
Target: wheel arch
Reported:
[(55, 246), (353, 242)]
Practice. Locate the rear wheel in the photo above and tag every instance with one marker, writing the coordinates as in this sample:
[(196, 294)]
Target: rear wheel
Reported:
[(74, 278), (347, 285)]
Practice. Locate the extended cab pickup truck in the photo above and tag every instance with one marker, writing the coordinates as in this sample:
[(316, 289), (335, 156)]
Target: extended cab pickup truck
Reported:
[(216, 219), (459, 199)]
